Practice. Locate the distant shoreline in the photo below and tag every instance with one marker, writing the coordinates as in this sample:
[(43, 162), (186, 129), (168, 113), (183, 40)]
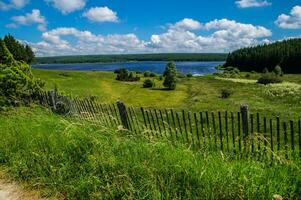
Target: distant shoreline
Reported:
[(103, 59)]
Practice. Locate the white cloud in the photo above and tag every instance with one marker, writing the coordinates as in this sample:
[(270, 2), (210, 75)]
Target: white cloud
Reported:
[(292, 21), (16, 4), (101, 14), (227, 35), (68, 6), (217, 36), (86, 43), (187, 24), (34, 17), (252, 3)]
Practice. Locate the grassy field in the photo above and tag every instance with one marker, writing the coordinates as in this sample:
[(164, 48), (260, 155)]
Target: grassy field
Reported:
[(197, 93), (66, 158)]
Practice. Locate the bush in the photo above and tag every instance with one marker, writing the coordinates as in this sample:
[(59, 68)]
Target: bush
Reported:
[(17, 83), (226, 93), (269, 78), (146, 74), (189, 75), (230, 72), (265, 71), (148, 83), (125, 75), (278, 71)]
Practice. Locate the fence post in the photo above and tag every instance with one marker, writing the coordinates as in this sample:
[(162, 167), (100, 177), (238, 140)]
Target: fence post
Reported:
[(244, 109), (123, 114)]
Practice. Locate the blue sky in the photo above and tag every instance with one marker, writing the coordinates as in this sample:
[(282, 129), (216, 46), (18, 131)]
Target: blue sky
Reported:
[(65, 27)]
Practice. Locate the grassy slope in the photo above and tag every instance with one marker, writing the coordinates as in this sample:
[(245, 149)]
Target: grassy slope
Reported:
[(199, 93), (80, 161)]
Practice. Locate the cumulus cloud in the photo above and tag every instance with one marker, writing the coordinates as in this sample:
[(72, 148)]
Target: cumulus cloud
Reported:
[(67, 6), (292, 21), (101, 14), (252, 3), (227, 35), (187, 24), (13, 4), (34, 17), (217, 36), (86, 43)]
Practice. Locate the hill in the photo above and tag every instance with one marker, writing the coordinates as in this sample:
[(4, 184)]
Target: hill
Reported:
[(132, 57), (285, 53)]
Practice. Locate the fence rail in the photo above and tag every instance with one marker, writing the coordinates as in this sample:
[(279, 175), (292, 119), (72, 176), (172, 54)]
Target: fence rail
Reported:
[(240, 133)]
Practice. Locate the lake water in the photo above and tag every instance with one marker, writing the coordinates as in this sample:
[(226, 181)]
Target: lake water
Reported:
[(196, 68)]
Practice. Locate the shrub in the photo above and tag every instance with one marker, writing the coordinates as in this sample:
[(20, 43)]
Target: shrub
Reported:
[(283, 90), (148, 83), (17, 83), (152, 74), (278, 71), (265, 71), (230, 72), (226, 93), (189, 75), (146, 74), (269, 78), (125, 75)]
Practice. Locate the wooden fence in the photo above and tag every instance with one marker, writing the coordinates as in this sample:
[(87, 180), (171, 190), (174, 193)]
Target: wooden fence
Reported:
[(241, 133)]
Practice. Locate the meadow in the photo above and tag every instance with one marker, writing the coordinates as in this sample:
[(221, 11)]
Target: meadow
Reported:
[(65, 158), (196, 93)]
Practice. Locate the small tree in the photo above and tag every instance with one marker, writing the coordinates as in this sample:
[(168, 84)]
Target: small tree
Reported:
[(170, 75)]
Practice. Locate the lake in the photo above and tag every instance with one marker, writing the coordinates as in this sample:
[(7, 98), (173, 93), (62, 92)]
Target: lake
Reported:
[(196, 68)]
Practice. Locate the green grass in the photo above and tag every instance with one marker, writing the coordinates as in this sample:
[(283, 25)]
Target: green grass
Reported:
[(76, 160), (197, 93)]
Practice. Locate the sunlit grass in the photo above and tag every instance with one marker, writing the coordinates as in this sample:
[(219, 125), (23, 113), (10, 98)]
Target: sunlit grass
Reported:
[(77, 160)]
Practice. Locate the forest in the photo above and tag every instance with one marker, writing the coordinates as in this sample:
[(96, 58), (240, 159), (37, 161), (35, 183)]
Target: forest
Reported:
[(286, 54), (132, 57)]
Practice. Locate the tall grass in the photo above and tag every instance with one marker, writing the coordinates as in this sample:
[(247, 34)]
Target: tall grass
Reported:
[(77, 160)]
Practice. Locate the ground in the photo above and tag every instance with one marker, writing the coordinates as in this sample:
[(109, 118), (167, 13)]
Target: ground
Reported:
[(10, 190), (197, 93)]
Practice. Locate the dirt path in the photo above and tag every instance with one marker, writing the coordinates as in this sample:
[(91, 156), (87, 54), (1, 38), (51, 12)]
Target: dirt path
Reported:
[(11, 191)]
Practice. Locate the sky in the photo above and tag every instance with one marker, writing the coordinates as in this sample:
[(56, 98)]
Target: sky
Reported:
[(84, 27)]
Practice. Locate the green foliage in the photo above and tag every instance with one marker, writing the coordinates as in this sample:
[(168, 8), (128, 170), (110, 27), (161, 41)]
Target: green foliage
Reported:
[(148, 83), (78, 160), (265, 70), (226, 93), (278, 71), (149, 74), (189, 75), (5, 56), (286, 53), (16, 80), (133, 57), (170, 75), (230, 72), (269, 78), (125, 75), (19, 51)]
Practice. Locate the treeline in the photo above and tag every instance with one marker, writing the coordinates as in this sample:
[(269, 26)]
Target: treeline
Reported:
[(286, 54), (132, 57), (20, 52)]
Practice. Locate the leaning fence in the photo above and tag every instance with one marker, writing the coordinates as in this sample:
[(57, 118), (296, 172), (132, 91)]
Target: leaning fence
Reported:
[(241, 133)]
